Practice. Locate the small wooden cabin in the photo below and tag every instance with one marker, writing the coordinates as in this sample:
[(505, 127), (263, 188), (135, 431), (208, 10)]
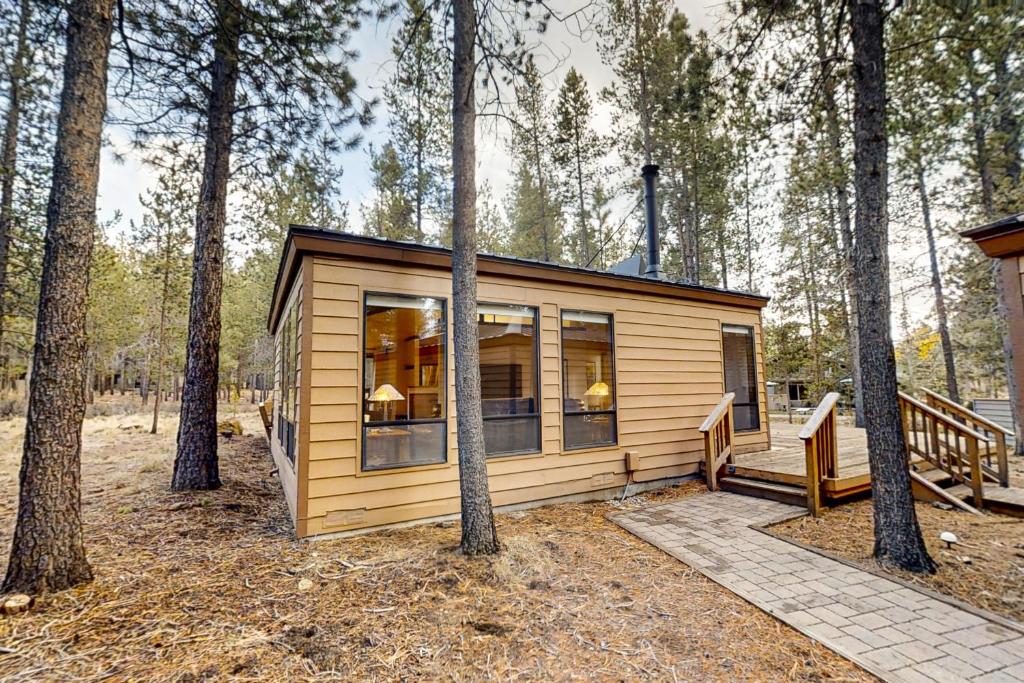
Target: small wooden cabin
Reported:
[(589, 380)]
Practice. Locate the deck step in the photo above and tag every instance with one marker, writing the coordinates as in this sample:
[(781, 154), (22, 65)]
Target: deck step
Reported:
[(782, 493), (935, 475), (961, 491)]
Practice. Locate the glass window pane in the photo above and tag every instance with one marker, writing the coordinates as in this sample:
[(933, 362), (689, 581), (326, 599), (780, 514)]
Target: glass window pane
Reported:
[(589, 430), (588, 377), (741, 375), (513, 435), (404, 345), (508, 375), (403, 445)]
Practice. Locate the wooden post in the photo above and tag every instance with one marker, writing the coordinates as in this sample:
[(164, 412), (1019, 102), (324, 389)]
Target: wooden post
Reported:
[(977, 481), (813, 476), (1002, 460), (709, 463)]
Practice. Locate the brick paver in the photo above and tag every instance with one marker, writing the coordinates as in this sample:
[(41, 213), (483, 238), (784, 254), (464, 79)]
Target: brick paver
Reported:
[(893, 631)]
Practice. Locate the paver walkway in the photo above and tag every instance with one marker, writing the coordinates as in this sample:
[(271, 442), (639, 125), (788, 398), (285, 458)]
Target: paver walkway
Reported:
[(895, 632)]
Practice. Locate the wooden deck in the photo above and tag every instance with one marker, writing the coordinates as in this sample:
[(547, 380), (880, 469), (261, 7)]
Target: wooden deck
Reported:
[(786, 462)]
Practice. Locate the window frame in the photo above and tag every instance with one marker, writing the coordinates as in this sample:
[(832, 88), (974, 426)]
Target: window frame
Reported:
[(538, 414), (442, 378), (757, 390), (288, 386), (614, 412)]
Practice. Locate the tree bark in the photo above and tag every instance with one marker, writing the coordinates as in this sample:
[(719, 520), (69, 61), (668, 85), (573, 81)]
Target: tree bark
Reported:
[(47, 552), (479, 537), (9, 160), (940, 301), (839, 186), (196, 466), (898, 539)]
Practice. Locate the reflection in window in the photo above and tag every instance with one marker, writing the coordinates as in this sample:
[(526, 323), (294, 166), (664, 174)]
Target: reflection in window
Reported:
[(403, 381), (508, 378), (741, 375), (588, 379)]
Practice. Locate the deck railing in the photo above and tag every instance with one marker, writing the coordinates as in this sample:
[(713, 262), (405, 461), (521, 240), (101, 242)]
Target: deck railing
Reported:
[(946, 443), (821, 449), (718, 435), (995, 435)]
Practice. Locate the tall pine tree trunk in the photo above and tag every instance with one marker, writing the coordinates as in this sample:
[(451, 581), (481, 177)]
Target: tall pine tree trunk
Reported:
[(196, 466), (898, 539), (478, 533), (9, 160), (940, 300), (47, 553)]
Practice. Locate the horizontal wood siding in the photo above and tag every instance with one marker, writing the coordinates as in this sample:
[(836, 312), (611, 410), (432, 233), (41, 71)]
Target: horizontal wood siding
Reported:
[(668, 376)]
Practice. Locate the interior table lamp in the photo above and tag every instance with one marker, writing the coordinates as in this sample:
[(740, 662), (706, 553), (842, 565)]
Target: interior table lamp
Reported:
[(597, 390), (386, 394)]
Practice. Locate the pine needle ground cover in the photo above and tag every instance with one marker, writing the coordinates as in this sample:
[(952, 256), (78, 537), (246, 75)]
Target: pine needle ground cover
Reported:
[(211, 586), (986, 569)]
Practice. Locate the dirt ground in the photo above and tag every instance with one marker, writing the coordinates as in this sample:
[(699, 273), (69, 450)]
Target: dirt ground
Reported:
[(986, 569), (212, 586)]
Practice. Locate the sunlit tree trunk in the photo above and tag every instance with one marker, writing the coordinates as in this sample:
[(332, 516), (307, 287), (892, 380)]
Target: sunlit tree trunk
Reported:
[(47, 552)]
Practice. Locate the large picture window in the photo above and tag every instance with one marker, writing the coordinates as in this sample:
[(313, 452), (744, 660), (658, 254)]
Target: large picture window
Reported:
[(404, 382), (741, 375), (508, 378), (287, 404), (588, 379)]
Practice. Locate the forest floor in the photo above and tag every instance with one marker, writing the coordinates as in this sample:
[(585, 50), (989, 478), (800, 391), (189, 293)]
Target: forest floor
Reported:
[(212, 585)]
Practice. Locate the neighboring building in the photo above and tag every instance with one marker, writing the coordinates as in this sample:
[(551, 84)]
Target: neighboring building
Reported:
[(581, 372)]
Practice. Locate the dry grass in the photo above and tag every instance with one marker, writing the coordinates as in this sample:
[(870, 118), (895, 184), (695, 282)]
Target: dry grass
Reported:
[(993, 579), (206, 586)]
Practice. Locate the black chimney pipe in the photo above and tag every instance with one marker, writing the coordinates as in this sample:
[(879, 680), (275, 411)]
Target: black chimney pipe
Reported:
[(649, 173)]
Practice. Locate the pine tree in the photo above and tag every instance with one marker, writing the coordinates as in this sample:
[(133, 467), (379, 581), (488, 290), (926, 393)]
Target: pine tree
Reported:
[(47, 551), (536, 228), (164, 237), (392, 215), (479, 536), (419, 110), (272, 75), (576, 151), (898, 539)]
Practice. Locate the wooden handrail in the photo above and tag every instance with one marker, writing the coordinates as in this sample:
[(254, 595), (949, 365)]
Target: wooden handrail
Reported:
[(819, 415), (948, 454), (945, 419), (717, 429), (719, 411), (994, 444), (965, 412), (821, 449)]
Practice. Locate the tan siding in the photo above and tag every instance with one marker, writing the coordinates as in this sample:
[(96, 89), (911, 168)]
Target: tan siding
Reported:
[(668, 377)]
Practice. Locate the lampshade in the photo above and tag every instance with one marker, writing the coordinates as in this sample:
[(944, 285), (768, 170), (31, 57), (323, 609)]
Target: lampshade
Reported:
[(597, 389), (386, 392)]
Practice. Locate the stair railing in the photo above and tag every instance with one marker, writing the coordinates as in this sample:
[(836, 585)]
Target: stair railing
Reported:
[(944, 442), (821, 449), (717, 429), (995, 435)]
